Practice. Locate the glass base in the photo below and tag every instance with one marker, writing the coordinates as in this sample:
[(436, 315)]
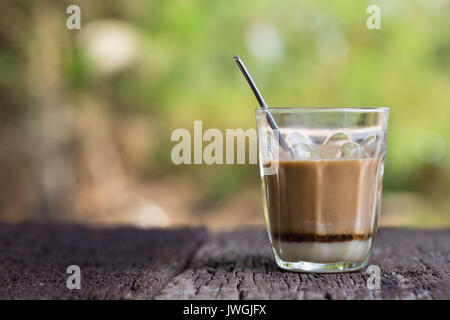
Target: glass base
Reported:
[(314, 267)]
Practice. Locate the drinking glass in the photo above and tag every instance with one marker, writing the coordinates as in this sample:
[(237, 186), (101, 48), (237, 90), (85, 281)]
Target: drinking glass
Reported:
[(321, 171)]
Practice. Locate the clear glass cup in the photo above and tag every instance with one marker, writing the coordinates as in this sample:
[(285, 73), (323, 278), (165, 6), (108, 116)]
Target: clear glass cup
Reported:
[(321, 172)]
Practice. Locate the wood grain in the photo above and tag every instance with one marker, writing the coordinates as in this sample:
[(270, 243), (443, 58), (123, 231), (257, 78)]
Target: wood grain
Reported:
[(239, 265), (124, 263), (128, 263)]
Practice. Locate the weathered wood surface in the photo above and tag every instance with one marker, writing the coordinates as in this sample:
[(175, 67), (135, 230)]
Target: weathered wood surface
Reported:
[(239, 265), (124, 263), (129, 263)]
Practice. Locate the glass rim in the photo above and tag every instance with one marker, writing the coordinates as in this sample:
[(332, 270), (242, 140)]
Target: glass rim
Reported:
[(322, 109)]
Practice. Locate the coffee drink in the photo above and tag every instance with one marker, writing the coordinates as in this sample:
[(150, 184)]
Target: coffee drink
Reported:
[(322, 210), (322, 188)]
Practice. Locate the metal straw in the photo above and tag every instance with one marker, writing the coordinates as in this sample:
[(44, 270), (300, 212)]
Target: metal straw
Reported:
[(263, 105)]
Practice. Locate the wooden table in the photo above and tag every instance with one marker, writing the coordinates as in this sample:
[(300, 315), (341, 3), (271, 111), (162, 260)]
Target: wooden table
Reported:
[(127, 263)]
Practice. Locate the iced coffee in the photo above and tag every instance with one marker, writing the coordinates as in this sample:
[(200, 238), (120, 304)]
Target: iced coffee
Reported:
[(322, 198)]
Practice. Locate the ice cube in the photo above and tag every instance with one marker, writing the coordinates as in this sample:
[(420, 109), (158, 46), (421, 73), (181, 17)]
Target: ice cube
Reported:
[(303, 151), (297, 138), (327, 151), (369, 140), (337, 138), (368, 146), (348, 150), (330, 149), (301, 145)]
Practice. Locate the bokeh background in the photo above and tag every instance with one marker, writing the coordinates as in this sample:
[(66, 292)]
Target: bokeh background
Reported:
[(86, 115)]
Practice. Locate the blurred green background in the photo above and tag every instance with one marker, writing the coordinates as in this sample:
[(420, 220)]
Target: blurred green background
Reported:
[(86, 115)]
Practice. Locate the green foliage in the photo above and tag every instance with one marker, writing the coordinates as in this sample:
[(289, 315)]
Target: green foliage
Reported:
[(183, 70)]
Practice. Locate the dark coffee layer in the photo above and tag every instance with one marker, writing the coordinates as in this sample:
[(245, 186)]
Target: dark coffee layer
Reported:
[(311, 237)]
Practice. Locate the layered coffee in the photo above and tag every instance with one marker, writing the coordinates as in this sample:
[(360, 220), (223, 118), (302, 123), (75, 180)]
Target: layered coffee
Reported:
[(322, 211)]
